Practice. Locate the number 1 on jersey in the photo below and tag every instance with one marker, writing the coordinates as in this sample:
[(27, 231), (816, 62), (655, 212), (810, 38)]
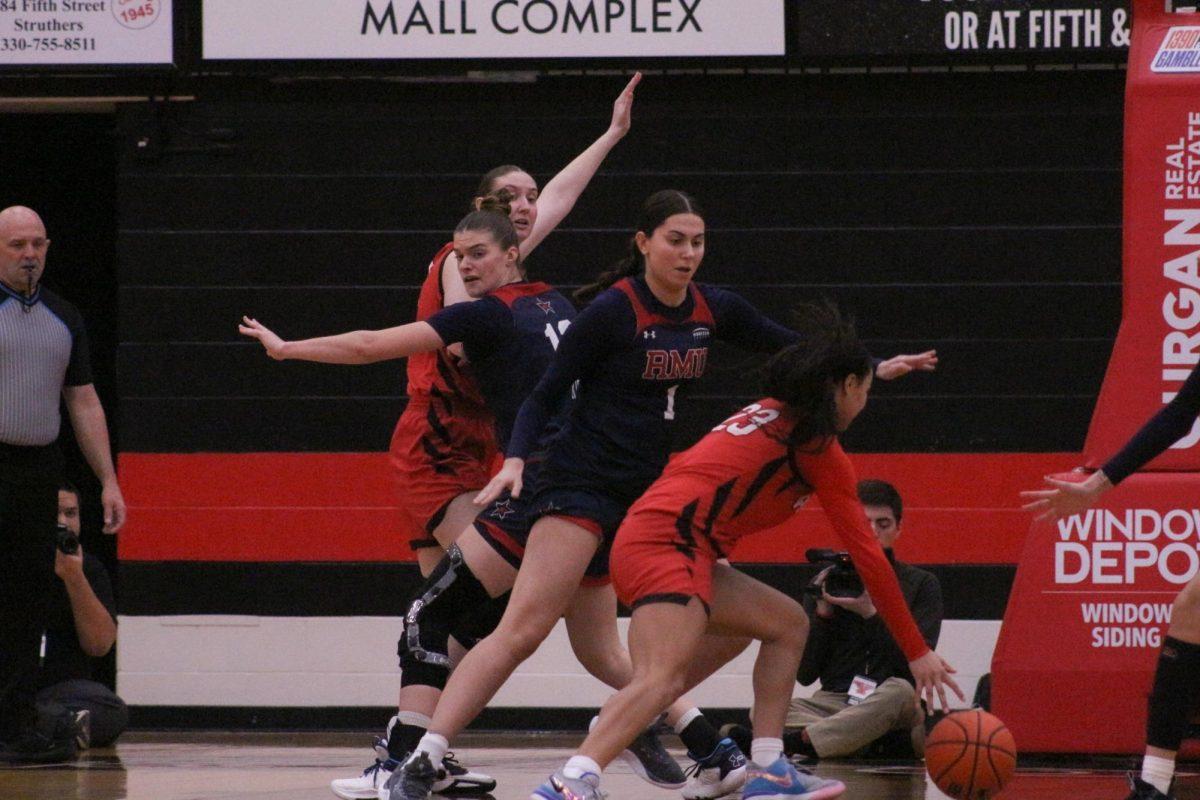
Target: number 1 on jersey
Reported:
[(670, 412)]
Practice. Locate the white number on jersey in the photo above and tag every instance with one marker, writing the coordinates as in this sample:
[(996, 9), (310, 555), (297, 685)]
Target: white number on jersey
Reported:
[(556, 336), (748, 420)]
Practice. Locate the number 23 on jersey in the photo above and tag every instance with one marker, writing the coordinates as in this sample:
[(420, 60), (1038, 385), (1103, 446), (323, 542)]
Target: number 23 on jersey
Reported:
[(748, 420)]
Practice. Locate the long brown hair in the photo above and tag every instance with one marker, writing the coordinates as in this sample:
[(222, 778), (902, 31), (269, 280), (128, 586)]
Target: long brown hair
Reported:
[(655, 211)]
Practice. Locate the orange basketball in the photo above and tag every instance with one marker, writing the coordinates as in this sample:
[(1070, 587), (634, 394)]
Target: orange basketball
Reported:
[(970, 755)]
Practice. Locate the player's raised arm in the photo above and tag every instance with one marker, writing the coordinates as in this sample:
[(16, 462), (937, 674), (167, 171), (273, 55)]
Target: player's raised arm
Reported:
[(559, 196)]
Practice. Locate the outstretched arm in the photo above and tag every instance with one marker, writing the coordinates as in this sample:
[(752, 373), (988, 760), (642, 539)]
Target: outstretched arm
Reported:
[(559, 195), (355, 347), (1168, 426)]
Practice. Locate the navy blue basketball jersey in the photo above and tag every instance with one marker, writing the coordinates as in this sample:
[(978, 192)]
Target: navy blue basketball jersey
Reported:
[(509, 337), (635, 359)]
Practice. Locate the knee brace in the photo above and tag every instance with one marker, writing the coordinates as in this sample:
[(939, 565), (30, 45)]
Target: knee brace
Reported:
[(449, 598)]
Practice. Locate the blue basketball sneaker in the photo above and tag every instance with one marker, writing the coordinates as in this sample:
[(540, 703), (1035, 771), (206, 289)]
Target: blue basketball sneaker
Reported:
[(560, 787), (782, 781)]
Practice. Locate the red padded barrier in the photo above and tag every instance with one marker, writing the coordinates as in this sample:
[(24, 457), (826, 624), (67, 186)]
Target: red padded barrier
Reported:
[(343, 507), (1092, 595)]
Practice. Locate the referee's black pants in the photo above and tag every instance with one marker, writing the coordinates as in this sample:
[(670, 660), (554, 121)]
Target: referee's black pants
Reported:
[(29, 480)]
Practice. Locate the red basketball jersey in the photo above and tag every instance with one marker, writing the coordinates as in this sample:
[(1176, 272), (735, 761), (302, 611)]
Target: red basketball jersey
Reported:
[(739, 479), (438, 373)]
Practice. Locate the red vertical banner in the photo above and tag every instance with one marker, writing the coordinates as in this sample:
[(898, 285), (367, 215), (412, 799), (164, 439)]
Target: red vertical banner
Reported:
[(1159, 340), (1093, 593)]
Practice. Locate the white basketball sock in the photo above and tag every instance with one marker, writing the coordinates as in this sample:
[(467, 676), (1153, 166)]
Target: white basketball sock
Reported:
[(578, 766), (765, 751), (434, 745), (1158, 772)]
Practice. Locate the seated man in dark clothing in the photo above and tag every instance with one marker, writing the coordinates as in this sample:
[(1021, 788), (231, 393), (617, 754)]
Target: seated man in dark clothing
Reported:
[(81, 627), (866, 689)]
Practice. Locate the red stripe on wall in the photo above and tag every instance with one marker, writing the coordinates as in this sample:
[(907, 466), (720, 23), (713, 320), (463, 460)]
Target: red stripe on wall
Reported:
[(959, 508)]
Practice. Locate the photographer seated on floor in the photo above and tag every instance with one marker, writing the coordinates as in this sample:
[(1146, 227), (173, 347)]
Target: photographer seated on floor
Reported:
[(81, 627), (866, 704)]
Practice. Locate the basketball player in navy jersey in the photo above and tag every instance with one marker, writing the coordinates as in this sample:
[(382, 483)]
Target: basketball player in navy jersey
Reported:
[(1176, 694), (443, 448), (635, 350), (508, 335)]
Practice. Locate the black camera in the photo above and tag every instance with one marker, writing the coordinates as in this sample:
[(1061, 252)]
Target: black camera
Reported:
[(842, 580), (67, 541)]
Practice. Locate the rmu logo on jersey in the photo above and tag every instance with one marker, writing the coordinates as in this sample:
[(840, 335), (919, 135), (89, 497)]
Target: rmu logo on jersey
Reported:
[(701, 333), (545, 305), (669, 365)]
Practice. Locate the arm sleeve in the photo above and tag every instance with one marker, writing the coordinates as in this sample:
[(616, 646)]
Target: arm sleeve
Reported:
[(831, 475), (1165, 428), (480, 326), (600, 328), (744, 325), (817, 647)]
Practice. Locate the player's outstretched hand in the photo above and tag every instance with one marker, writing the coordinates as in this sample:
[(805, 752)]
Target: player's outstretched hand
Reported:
[(622, 117), (898, 366), (509, 477), (933, 676), (1067, 498), (256, 330)]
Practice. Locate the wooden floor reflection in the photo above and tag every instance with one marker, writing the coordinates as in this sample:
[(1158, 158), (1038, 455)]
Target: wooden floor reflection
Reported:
[(173, 766)]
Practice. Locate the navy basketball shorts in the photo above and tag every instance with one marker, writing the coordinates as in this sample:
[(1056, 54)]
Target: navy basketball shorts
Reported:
[(505, 524)]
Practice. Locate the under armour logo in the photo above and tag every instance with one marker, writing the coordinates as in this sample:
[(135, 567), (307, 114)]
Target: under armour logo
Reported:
[(649, 334)]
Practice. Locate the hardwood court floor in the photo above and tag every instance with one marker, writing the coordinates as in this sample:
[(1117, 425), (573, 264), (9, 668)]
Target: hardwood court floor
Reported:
[(177, 766)]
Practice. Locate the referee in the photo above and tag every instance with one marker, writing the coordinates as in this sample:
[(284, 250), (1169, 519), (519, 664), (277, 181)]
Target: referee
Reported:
[(43, 355)]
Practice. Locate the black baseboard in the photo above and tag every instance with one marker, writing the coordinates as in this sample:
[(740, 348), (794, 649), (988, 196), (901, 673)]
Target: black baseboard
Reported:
[(361, 718)]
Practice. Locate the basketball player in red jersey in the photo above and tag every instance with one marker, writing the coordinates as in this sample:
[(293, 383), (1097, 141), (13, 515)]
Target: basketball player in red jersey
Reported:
[(443, 449), (750, 473)]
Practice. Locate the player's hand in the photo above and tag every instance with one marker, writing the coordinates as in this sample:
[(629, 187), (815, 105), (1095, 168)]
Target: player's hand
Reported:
[(509, 477), (932, 674), (898, 366), (622, 117), (860, 605), (1067, 498), (113, 503), (256, 330)]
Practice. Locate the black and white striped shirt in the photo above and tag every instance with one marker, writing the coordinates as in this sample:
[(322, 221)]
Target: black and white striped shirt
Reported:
[(43, 347)]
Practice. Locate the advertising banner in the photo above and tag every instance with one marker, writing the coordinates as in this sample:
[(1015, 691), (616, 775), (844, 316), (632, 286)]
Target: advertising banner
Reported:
[(1158, 344), (849, 28), (77, 32), (1093, 594), (1087, 615), (508, 29)]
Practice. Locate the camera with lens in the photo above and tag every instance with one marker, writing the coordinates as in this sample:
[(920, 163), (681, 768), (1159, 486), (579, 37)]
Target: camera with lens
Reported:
[(67, 542), (842, 580)]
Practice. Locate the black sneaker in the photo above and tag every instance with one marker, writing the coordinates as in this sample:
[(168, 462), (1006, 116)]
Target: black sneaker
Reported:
[(33, 747), (81, 722), (455, 779), (650, 761), (412, 780), (1140, 790)]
